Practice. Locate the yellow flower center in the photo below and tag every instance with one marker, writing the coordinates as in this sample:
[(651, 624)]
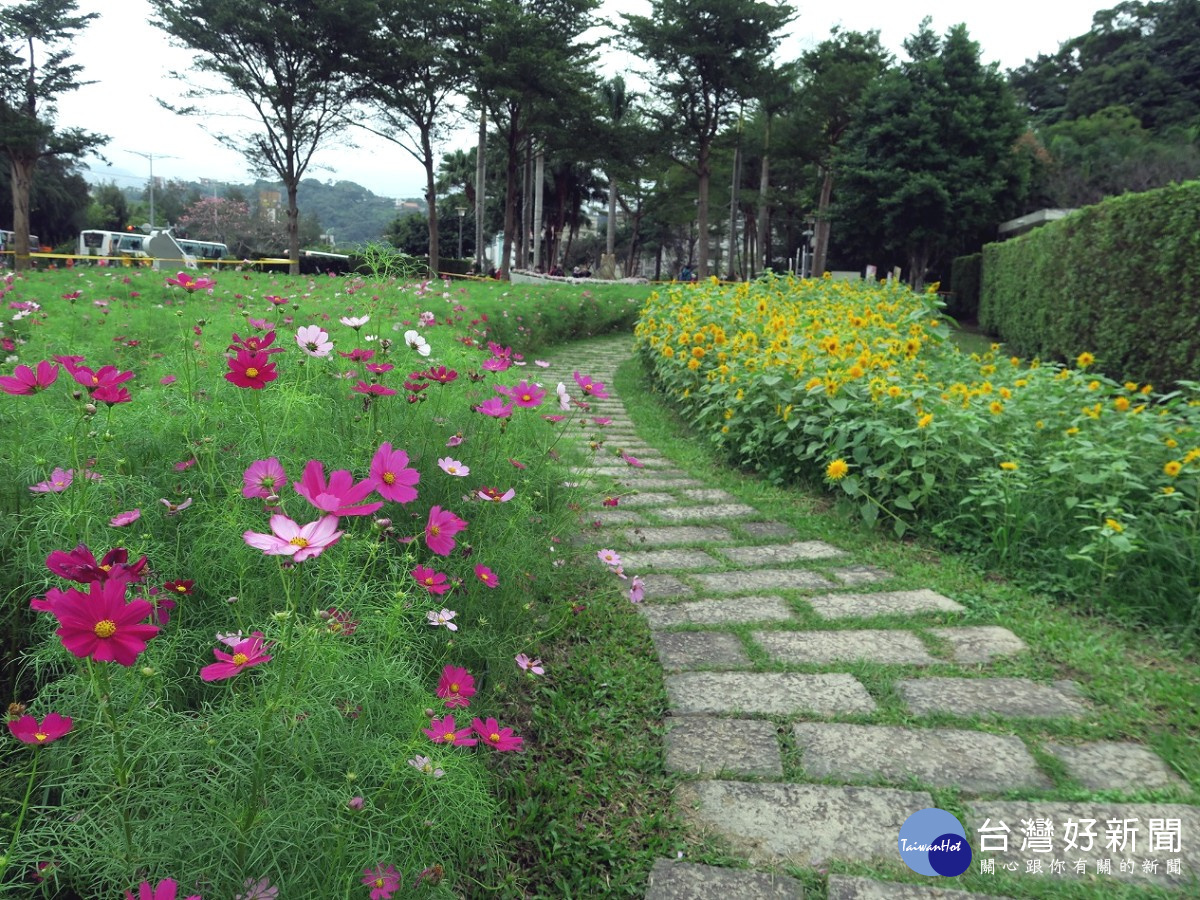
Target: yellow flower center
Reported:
[(298, 541), (429, 580), (240, 659), (435, 530), (378, 882), (448, 736), (494, 738), (526, 398), (251, 372), (40, 736), (181, 588), (454, 688), (105, 628), (389, 478), (106, 567)]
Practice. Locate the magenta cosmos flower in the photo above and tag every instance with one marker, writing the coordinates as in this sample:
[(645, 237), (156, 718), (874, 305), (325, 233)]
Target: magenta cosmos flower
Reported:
[(251, 370), (440, 530), (120, 520), (290, 539), (24, 380), (246, 653), (434, 582), (494, 736), (59, 481), (524, 394), (442, 731), (314, 341), (102, 625), (394, 480), (496, 364), (382, 880), (105, 376), (373, 390), (191, 285), (495, 407), (456, 686), (167, 889), (495, 495), (29, 730), (593, 389), (487, 576), (340, 496), (263, 478), (81, 566)]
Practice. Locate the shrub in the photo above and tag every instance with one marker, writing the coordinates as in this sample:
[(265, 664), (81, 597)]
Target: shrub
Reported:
[(965, 275)]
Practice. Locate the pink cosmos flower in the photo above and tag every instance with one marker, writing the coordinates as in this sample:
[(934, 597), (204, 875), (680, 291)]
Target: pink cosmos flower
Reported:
[(105, 376), (393, 478), (167, 889), (379, 368), (541, 363), (341, 496), (441, 374), (632, 460), (601, 422), (375, 390), (496, 364), (102, 625), (24, 380), (314, 341), (440, 529), (246, 653), (191, 285), (609, 557), (434, 582), (251, 370), (29, 730), (517, 463), (455, 440), (59, 481), (358, 355), (533, 666), (112, 395), (120, 520), (592, 388), (185, 465), (338, 621), (564, 399), (442, 731), (167, 380), (524, 394), (611, 501), (493, 735), (456, 686), (494, 406), (383, 881), (487, 576), (174, 509), (258, 890), (554, 418), (422, 764), (494, 495), (290, 539), (442, 618), (355, 323), (452, 466), (263, 478), (637, 590)]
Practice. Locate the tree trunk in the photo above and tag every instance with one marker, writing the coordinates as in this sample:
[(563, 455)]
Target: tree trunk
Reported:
[(764, 187), (702, 212), (431, 202), (821, 237), (611, 238), (539, 195), (510, 198), (293, 224), (480, 190), (22, 185), (734, 184)]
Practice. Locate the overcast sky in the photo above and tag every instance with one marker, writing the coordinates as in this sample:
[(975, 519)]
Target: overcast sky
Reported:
[(129, 60)]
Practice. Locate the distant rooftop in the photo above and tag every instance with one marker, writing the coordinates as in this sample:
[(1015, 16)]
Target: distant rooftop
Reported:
[(1025, 223)]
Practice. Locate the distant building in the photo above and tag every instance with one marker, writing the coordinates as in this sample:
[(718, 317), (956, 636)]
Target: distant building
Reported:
[(1022, 224)]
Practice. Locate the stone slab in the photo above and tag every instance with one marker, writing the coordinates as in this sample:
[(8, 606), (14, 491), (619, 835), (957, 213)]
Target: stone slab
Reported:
[(773, 554), (979, 644), (995, 696), (673, 879), (742, 611), (883, 603), (871, 645), (659, 586), (709, 495), (654, 535), (802, 824), (679, 650), (1009, 852), (607, 471), (972, 761), (662, 481), (613, 516), (709, 511), (681, 559), (858, 576), (700, 745), (1116, 766), (766, 693), (649, 498), (855, 887), (772, 530), (761, 580)]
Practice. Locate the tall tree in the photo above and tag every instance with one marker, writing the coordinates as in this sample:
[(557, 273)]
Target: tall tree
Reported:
[(835, 73), (928, 166), (291, 61), (616, 101), (708, 56), (413, 68), (34, 71)]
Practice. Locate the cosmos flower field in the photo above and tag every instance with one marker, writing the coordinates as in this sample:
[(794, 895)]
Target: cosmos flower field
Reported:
[(278, 552)]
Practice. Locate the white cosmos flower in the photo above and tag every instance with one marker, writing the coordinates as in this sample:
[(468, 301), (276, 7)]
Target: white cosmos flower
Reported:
[(416, 342)]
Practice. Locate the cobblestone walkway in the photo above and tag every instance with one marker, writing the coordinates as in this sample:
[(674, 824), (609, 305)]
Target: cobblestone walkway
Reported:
[(829, 785)]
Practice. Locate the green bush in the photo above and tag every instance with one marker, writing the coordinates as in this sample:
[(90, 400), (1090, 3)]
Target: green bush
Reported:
[(1120, 280), (965, 275)]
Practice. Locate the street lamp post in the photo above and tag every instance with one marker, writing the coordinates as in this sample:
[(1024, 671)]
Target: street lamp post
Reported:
[(806, 258), (462, 212)]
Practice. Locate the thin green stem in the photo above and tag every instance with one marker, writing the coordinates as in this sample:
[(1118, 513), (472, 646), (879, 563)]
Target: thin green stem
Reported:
[(12, 843)]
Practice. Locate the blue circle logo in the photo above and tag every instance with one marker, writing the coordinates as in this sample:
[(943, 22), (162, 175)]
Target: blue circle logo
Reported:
[(933, 842)]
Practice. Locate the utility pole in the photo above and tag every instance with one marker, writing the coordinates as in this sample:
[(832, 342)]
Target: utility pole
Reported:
[(150, 158)]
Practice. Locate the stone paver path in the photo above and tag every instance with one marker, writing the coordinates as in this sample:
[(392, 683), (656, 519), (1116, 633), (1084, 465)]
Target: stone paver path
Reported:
[(777, 740)]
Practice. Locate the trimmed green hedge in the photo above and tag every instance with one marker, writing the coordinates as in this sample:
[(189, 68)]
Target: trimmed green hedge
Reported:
[(1120, 279), (965, 275)]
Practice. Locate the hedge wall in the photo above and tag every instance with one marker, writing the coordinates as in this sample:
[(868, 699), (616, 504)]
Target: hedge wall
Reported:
[(965, 273), (1120, 279)]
